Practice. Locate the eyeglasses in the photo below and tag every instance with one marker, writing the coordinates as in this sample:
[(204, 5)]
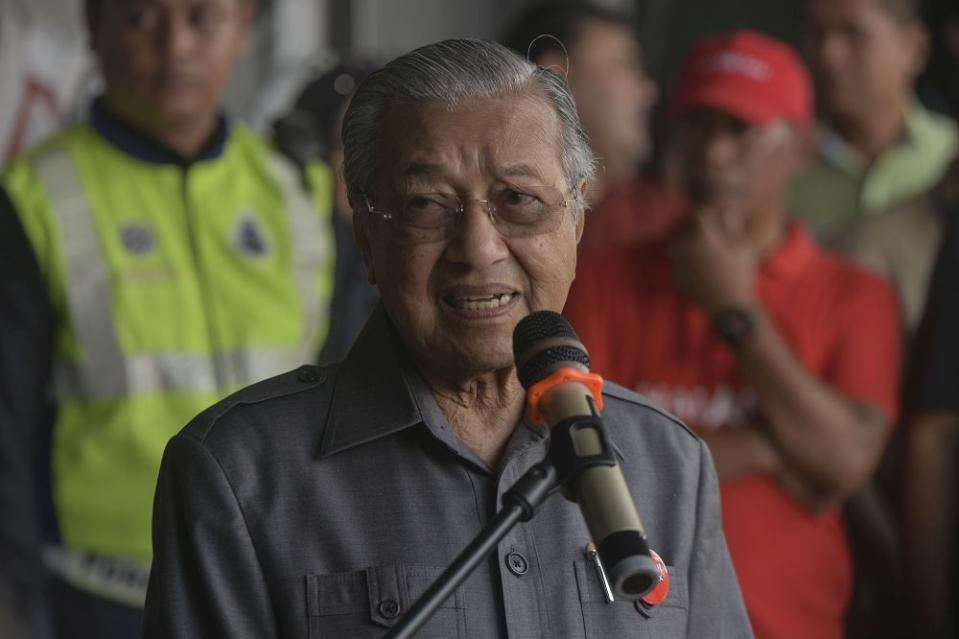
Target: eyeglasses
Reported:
[(514, 211)]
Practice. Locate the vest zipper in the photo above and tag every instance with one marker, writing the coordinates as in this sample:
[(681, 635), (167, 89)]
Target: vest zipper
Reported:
[(203, 283)]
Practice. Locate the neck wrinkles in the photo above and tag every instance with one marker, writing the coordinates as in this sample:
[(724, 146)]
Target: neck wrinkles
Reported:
[(482, 410)]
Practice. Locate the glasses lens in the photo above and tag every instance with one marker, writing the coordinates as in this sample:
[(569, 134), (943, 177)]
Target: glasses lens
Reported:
[(527, 210), (516, 211), (428, 211)]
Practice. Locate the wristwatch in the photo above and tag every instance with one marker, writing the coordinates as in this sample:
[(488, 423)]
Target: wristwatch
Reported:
[(735, 325)]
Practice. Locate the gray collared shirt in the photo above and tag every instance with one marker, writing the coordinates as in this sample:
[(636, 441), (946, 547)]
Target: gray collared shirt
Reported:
[(322, 502)]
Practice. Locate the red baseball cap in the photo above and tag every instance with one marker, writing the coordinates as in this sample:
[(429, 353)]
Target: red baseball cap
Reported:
[(748, 75)]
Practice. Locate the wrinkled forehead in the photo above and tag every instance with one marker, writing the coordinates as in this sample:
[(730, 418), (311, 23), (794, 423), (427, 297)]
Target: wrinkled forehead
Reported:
[(513, 136)]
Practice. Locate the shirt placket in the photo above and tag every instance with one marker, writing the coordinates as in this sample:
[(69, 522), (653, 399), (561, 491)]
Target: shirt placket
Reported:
[(520, 573)]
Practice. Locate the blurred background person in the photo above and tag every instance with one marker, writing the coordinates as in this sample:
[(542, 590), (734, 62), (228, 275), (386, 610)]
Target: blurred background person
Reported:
[(598, 51), (614, 96), (878, 147), (930, 495), (784, 358), (901, 243), (154, 258), (312, 131)]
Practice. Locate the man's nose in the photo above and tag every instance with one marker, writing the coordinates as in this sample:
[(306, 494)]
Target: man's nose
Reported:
[(718, 147), (476, 241), (178, 37)]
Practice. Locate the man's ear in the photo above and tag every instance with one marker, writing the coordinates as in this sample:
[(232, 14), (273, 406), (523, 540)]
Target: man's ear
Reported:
[(361, 219), (920, 45), (555, 62)]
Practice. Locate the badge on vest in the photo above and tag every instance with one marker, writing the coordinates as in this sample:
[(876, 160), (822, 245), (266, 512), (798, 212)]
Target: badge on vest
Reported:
[(137, 238), (249, 237)]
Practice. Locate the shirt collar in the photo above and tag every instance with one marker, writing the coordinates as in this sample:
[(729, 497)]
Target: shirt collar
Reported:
[(379, 392), (372, 397), (134, 142), (836, 151), (790, 258)]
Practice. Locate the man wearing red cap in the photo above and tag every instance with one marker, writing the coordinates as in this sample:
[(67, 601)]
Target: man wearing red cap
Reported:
[(783, 357)]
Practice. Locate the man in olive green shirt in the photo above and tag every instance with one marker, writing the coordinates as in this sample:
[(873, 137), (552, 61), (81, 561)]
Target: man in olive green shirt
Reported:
[(878, 146)]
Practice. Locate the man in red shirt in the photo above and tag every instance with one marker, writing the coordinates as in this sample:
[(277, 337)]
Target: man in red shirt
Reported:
[(783, 357)]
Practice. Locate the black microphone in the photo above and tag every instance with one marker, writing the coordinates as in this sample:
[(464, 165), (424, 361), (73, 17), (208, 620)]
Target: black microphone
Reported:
[(553, 367)]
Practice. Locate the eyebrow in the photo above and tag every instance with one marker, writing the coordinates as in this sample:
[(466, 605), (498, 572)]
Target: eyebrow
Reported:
[(519, 170)]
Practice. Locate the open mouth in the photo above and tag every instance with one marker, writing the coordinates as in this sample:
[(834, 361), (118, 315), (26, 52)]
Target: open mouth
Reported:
[(480, 303)]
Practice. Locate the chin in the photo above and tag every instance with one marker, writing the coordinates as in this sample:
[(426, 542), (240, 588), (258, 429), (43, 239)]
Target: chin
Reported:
[(179, 109), (484, 356), (843, 103)]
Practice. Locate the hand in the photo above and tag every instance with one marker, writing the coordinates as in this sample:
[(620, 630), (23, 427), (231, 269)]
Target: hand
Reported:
[(714, 263)]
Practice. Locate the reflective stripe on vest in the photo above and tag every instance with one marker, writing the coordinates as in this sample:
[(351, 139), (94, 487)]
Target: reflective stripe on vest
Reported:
[(177, 372), (307, 252), (121, 580), (89, 305)]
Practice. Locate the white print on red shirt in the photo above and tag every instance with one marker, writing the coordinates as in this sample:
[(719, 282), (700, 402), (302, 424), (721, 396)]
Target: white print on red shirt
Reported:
[(707, 409)]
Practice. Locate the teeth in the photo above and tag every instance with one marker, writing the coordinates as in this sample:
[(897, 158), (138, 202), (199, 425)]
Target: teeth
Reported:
[(482, 303)]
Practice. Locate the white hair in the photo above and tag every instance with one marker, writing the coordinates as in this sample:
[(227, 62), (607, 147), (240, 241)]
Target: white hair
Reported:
[(454, 71)]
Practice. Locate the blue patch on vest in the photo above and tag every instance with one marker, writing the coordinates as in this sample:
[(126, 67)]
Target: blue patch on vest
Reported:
[(137, 238), (250, 238)]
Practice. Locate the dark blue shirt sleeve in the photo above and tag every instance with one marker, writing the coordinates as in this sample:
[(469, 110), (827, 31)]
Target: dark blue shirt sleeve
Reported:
[(26, 337)]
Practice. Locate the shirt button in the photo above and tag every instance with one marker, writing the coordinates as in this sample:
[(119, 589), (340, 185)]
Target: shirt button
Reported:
[(388, 608), (517, 564)]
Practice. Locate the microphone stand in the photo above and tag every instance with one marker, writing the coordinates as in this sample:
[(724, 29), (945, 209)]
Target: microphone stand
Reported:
[(560, 469), (519, 504)]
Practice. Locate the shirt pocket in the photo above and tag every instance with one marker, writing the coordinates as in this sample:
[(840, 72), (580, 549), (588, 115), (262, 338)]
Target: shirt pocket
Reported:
[(631, 618), (364, 603)]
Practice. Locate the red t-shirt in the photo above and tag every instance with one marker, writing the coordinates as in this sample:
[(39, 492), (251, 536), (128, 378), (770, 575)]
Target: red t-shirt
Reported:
[(794, 566)]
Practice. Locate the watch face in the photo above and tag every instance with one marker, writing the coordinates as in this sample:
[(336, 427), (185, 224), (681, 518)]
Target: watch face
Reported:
[(734, 325)]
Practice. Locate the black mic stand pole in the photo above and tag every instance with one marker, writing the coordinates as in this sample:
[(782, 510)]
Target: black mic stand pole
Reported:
[(519, 504)]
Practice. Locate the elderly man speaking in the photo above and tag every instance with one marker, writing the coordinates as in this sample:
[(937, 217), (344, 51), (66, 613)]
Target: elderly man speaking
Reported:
[(323, 502)]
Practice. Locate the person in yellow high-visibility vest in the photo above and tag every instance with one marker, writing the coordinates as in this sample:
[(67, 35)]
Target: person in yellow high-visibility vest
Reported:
[(152, 259)]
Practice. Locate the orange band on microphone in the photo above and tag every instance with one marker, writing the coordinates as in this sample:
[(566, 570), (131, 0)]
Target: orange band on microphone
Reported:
[(592, 381)]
